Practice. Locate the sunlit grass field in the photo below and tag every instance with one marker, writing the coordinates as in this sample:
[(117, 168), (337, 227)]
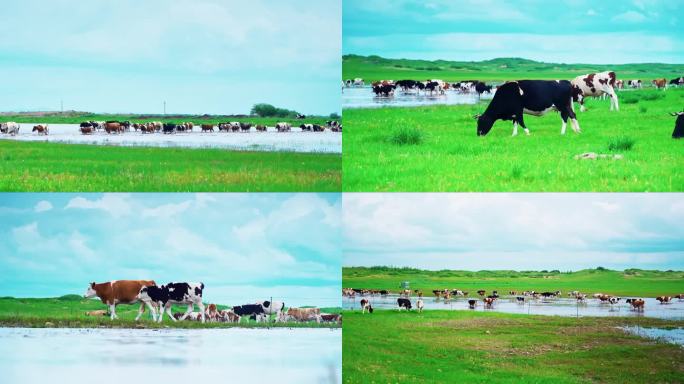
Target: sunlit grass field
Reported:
[(631, 282), (436, 148), (435, 346)]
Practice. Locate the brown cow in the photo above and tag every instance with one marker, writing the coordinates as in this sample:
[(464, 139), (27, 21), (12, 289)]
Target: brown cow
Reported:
[(481, 292), (261, 128), (87, 130), (331, 318), (207, 127), (664, 299), (637, 304), (304, 314), (120, 292), (113, 127), (41, 129), (489, 301), (659, 83)]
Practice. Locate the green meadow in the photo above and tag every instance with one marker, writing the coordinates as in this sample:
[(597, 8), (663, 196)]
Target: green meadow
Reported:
[(630, 282), (436, 148), (460, 346), (49, 167), (69, 311)]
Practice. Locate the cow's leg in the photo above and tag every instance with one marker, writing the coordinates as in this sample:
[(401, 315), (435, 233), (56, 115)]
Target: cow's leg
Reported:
[(168, 311), (141, 310), (153, 310), (187, 311), (582, 107), (573, 120), (522, 123), (564, 120), (112, 311), (614, 99), (201, 308), (515, 128)]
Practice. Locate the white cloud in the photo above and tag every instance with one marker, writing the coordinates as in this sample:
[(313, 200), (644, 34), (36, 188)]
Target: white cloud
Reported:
[(116, 204), (629, 17), (591, 12), (43, 206), (166, 211)]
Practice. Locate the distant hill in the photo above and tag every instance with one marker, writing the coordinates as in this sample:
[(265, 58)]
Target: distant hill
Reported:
[(372, 68)]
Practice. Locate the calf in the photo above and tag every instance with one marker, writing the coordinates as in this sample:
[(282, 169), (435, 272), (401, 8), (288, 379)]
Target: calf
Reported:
[(679, 125), (420, 305), (211, 312), (366, 305), (116, 292), (533, 97), (331, 318), (256, 310), (174, 293), (596, 84), (228, 316), (404, 304)]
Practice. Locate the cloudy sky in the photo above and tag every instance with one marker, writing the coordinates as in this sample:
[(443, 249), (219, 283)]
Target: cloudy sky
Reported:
[(200, 56), (569, 31), (514, 231), (244, 247)]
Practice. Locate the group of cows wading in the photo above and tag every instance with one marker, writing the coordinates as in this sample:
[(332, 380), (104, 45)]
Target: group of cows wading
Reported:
[(488, 300), (90, 127), (160, 299), (514, 99)]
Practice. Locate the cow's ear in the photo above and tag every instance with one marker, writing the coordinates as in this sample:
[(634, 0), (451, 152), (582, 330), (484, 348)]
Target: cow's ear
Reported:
[(92, 285)]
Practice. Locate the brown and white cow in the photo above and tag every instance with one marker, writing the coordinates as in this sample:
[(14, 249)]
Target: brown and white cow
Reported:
[(211, 312), (228, 316), (659, 83), (596, 84), (120, 292), (303, 314), (41, 129), (637, 304), (664, 299)]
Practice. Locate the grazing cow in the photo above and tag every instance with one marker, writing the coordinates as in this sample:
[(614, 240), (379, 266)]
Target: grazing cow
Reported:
[(481, 292), (472, 303), (174, 293), (664, 299), (489, 301), (596, 84), (300, 116), (41, 129), (366, 305), (120, 292), (533, 97), (420, 305), (274, 308), (677, 82), (249, 310), (331, 318), (283, 127), (659, 83), (636, 83), (404, 304), (228, 316), (303, 314), (679, 125), (207, 127), (260, 128), (10, 128)]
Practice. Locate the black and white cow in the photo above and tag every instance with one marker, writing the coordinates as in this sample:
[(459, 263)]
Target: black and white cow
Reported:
[(406, 85), (678, 132), (255, 311), (276, 308), (596, 84), (636, 83), (404, 304), (532, 97), (386, 90), (677, 81), (173, 293)]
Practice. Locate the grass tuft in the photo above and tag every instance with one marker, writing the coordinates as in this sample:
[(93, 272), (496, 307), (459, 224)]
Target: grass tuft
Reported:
[(622, 143), (407, 136)]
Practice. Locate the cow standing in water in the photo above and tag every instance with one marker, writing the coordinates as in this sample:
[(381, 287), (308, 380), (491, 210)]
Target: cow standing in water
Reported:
[(120, 292)]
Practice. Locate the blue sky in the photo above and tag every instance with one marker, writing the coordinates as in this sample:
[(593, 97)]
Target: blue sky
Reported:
[(200, 56), (244, 247), (569, 31), (478, 231)]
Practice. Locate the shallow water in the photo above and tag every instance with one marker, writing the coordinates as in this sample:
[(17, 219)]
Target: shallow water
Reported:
[(558, 307), (363, 97), (119, 355), (674, 336), (295, 141)]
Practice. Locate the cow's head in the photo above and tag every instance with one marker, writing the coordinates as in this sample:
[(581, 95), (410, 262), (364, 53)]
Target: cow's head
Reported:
[(577, 94), (143, 294), (90, 291), (484, 124)]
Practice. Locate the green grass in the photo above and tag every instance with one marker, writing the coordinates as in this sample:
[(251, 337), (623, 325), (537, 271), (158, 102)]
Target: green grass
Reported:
[(374, 68), (72, 117), (69, 312), (466, 347), (40, 166), (451, 157), (407, 136), (631, 282)]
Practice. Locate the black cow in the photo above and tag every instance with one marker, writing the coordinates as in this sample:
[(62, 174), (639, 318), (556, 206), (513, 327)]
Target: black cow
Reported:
[(472, 303), (433, 86), (384, 90), (404, 303), (255, 310), (86, 124), (533, 97), (173, 293), (169, 128), (405, 85), (679, 125), (481, 88)]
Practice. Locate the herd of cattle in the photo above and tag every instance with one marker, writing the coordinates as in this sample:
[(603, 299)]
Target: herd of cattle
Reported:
[(112, 127), (404, 302), (514, 99), (161, 298)]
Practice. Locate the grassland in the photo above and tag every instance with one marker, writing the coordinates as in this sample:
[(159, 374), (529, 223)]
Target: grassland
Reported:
[(69, 312), (374, 68), (47, 167), (631, 282), (467, 347), (436, 148)]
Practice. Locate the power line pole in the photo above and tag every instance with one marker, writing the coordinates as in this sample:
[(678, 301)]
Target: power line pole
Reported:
[(61, 105), (164, 107)]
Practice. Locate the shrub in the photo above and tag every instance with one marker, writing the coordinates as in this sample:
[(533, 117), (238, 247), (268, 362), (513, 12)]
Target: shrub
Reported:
[(407, 136), (622, 143)]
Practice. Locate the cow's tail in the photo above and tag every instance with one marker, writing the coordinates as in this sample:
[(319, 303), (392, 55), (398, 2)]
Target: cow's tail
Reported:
[(282, 307)]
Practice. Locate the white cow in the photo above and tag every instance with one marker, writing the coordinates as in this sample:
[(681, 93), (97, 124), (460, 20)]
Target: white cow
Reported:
[(10, 128), (596, 84)]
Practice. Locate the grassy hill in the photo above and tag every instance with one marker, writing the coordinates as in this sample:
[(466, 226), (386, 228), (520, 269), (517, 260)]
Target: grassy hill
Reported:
[(372, 68), (631, 282)]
